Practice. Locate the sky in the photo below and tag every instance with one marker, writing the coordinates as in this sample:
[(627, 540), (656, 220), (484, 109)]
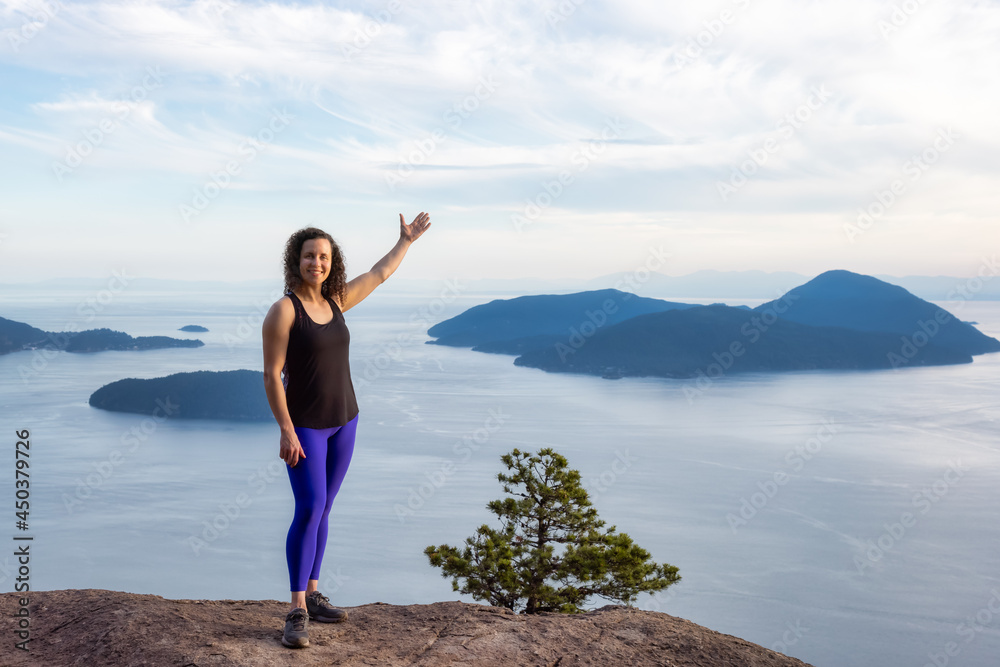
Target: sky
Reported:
[(550, 138)]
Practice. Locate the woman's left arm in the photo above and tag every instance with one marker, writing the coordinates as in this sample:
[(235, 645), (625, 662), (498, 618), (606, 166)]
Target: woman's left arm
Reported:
[(363, 285)]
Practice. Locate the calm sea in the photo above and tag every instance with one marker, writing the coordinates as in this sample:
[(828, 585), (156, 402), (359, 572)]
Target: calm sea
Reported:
[(844, 518)]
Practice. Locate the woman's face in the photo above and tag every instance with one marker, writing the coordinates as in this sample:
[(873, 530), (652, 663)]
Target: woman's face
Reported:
[(315, 261)]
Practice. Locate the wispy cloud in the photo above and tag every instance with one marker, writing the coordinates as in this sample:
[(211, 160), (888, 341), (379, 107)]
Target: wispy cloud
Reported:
[(478, 104)]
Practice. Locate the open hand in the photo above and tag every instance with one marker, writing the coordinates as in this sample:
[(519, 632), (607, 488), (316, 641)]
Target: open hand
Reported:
[(411, 232)]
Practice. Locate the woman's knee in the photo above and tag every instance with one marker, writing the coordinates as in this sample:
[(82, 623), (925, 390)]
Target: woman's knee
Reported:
[(310, 512)]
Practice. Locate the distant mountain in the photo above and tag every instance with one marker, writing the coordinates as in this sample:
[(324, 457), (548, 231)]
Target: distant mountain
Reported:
[(684, 343), (948, 288), (708, 284), (860, 302), (705, 284), (193, 328), (540, 318), (229, 395), (143, 284), (17, 336)]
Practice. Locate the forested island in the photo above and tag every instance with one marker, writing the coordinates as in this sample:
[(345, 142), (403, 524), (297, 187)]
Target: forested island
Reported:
[(17, 336), (231, 395), (838, 320)]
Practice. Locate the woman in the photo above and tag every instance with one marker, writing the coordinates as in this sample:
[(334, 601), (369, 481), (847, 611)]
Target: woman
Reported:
[(306, 341)]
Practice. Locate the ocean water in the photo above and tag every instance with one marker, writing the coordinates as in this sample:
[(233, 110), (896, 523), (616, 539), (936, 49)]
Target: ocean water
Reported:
[(844, 518)]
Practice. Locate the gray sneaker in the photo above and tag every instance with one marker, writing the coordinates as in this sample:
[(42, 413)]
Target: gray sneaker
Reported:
[(321, 610), (296, 635)]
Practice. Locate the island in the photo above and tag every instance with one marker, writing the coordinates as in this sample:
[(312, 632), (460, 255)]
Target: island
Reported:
[(856, 301), (838, 320), (528, 322), (228, 395), (18, 336), (715, 340), (196, 328)]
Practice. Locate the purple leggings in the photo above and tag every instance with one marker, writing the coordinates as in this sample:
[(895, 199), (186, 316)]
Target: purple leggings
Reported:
[(315, 481)]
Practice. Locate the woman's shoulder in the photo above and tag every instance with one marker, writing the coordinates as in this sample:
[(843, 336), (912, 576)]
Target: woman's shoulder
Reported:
[(280, 318), (285, 302), (284, 308)]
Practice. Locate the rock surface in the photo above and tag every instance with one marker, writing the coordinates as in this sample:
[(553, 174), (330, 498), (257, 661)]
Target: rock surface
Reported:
[(94, 627)]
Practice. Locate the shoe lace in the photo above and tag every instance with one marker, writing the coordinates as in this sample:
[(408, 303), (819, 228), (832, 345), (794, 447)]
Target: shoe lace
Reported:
[(320, 599), (298, 620)]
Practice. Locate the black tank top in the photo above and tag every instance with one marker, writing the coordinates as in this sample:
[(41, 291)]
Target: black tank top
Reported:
[(317, 373)]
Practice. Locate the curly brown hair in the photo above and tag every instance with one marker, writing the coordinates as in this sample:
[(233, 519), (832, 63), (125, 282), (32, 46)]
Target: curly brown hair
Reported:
[(335, 283)]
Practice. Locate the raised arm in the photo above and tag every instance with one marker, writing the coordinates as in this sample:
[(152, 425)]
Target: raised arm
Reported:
[(363, 285)]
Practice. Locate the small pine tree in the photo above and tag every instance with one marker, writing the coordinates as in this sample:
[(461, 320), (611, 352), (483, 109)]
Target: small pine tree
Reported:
[(549, 553)]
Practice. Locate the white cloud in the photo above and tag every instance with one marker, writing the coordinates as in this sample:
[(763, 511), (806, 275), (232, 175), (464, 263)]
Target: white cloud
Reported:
[(698, 89)]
